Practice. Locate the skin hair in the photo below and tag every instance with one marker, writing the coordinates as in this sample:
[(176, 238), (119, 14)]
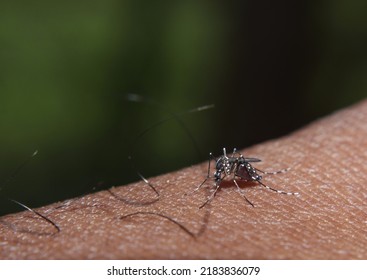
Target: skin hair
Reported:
[(328, 220)]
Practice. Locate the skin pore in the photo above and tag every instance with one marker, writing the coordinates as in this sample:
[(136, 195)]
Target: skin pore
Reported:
[(328, 220)]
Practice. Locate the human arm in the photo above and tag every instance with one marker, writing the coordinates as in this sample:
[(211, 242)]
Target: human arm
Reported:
[(328, 220)]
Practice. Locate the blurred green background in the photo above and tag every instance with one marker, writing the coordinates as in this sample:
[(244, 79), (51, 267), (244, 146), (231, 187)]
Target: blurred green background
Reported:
[(66, 66)]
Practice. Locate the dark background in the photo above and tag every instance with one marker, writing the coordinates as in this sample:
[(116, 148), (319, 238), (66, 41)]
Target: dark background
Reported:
[(269, 67)]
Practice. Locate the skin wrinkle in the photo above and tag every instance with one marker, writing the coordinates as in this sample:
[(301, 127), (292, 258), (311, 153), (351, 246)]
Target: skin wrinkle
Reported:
[(327, 221)]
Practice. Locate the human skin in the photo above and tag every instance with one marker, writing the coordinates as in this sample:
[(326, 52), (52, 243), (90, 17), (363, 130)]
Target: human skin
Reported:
[(327, 220)]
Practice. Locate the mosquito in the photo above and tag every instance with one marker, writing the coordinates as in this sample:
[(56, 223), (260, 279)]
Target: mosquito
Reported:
[(240, 168)]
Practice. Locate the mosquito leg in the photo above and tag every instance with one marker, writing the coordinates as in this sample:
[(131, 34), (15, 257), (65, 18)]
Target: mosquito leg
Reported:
[(273, 173), (211, 196), (197, 188), (207, 176), (242, 194), (275, 190)]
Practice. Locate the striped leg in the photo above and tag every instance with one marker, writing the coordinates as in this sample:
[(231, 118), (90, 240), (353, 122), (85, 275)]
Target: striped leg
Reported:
[(273, 173), (242, 194), (210, 198), (275, 190)]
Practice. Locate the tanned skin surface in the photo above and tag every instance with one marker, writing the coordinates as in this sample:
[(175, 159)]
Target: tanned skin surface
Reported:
[(328, 220)]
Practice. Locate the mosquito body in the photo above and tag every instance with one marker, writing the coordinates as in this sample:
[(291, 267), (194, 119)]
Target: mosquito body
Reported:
[(239, 168)]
